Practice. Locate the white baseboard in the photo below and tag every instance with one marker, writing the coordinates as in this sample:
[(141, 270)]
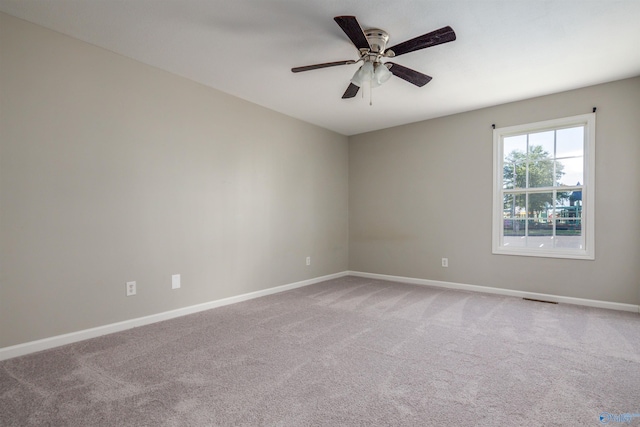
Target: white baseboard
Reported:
[(47, 343), (500, 291), (59, 340)]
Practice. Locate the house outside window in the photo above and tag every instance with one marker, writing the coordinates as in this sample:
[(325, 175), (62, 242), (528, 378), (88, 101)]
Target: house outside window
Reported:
[(543, 202)]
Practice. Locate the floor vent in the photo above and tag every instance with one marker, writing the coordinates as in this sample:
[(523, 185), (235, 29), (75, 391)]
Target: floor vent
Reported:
[(539, 300)]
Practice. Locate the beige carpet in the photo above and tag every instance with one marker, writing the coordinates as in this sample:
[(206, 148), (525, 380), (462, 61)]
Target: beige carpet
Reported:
[(350, 351)]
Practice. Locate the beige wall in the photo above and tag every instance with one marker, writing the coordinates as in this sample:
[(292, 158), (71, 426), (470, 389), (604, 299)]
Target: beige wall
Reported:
[(423, 191), (111, 171)]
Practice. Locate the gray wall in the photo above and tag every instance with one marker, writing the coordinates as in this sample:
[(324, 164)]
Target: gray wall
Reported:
[(423, 191), (111, 171)]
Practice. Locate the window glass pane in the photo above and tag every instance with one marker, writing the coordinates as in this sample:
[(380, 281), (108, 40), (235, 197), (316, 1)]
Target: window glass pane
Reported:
[(514, 143), (562, 200), (519, 206), (540, 238), (570, 171), (514, 233), (575, 204), (568, 205), (569, 234), (539, 206), (508, 208), (540, 228), (540, 171), (514, 206), (542, 142), (570, 142), (508, 170), (514, 161), (514, 175), (540, 231)]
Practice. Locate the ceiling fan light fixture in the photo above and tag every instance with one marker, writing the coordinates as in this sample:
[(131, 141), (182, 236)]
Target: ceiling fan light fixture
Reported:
[(381, 75), (364, 74)]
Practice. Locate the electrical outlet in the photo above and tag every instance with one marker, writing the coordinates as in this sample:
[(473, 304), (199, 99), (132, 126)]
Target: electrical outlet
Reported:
[(131, 288), (175, 281), (445, 262), (308, 260)]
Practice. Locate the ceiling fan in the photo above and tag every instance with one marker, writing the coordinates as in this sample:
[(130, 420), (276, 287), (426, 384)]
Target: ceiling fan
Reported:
[(372, 48)]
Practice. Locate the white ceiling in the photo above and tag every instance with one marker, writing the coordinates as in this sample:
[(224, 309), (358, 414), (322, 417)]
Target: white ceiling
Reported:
[(505, 50)]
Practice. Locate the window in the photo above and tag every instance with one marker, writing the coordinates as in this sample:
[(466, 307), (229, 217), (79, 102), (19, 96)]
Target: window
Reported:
[(543, 188)]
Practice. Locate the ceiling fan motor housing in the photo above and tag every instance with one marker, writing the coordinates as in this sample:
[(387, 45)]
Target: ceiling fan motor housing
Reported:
[(377, 39)]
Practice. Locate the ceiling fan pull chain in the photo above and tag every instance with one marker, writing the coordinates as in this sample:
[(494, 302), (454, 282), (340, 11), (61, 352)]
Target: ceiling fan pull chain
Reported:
[(370, 94)]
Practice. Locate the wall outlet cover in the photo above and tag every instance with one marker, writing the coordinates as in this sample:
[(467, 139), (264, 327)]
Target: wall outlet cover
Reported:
[(175, 281), (131, 288)]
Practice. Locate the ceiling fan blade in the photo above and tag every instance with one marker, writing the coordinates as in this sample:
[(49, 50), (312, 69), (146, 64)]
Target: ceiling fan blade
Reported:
[(353, 30), (443, 35), (351, 91), (412, 76), (325, 65)]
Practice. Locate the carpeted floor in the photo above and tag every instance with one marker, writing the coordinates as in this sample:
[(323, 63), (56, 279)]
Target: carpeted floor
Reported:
[(347, 352)]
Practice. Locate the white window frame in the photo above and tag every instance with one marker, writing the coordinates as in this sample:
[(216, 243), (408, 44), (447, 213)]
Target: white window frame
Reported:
[(588, 202)]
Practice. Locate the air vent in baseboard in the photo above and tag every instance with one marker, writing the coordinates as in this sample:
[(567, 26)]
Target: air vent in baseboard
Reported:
[(539, 300)]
